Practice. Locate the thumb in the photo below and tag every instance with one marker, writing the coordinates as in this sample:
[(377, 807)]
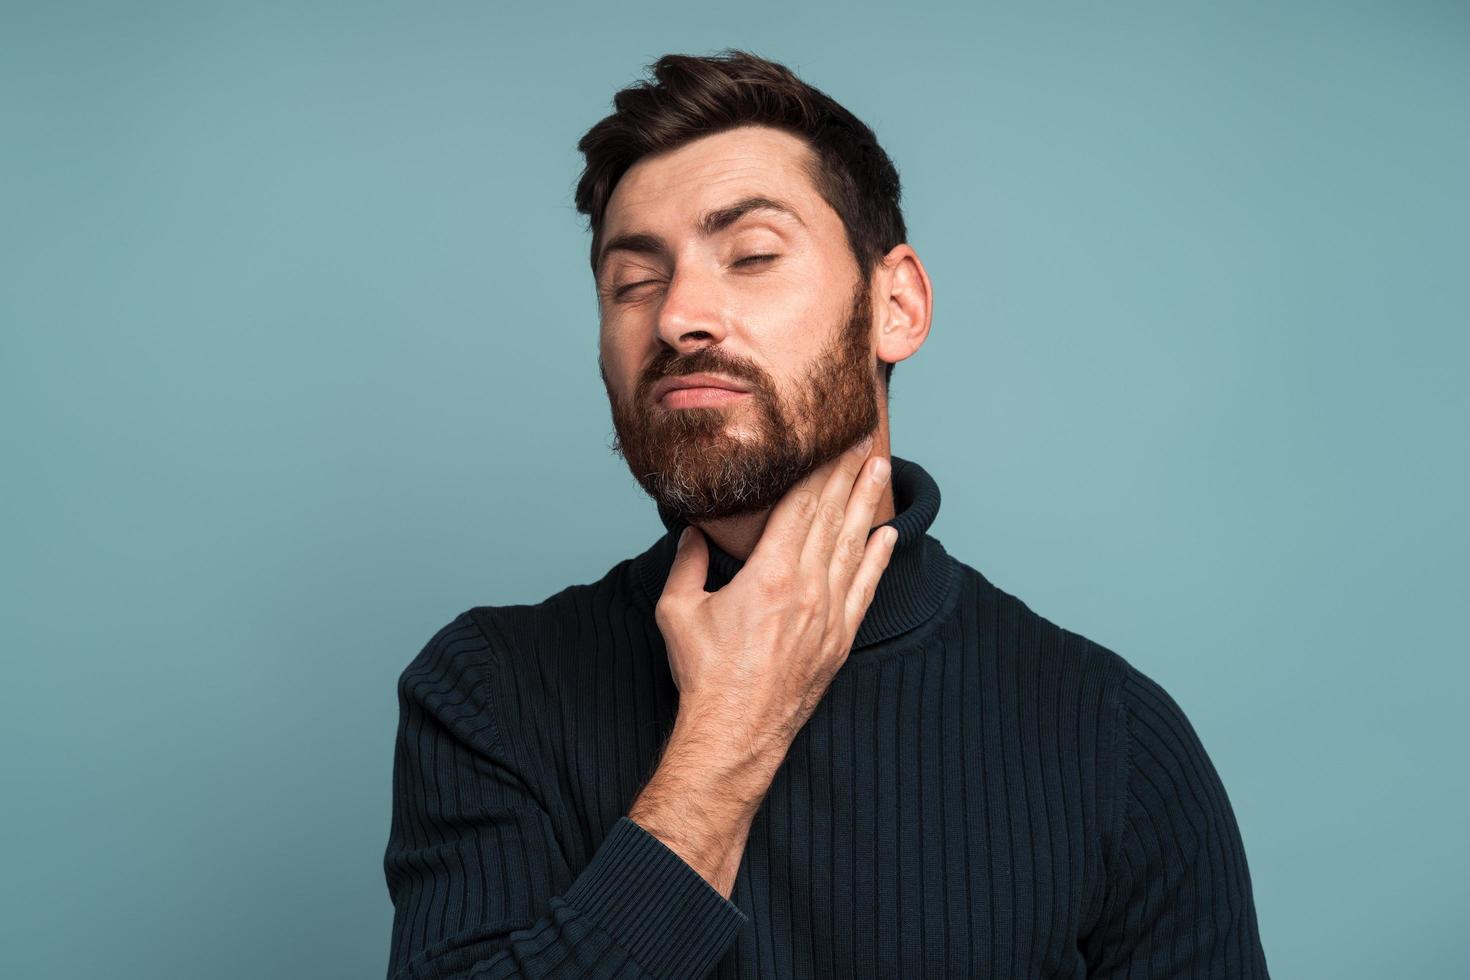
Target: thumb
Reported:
[(691, 563)]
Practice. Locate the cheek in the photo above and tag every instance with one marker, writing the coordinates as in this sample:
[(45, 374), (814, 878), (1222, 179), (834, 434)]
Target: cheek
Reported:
[(609, 360), (612, 345), (791, 327), (618, 365), (809, 291)]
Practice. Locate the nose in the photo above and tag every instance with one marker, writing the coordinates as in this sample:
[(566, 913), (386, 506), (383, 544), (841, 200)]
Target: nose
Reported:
[(692, 312)]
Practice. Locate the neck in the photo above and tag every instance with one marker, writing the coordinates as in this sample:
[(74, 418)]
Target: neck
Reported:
[(912, 588), (737, 536)]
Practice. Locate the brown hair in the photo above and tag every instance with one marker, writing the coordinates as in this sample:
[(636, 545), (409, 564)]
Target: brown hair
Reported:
[(690, 97)]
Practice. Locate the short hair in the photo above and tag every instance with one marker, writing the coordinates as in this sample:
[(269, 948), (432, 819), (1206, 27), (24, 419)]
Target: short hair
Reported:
[(689, 97)]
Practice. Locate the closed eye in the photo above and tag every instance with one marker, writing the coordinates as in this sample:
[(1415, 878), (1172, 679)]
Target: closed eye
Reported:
[(748, 260), (632, 285)]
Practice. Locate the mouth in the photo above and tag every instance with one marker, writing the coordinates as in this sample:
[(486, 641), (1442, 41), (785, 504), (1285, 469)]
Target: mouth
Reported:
[(700, 388), (700, 397)]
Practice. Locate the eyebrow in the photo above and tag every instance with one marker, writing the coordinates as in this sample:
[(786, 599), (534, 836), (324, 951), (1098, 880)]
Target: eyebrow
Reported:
[(710, 223)]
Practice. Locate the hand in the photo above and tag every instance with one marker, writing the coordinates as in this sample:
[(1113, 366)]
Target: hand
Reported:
[(754, 659)]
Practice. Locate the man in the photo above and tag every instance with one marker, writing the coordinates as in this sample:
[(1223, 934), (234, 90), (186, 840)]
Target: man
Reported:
[(787, 744)]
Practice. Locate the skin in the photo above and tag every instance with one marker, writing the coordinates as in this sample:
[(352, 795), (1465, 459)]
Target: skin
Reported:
[(805, 332)]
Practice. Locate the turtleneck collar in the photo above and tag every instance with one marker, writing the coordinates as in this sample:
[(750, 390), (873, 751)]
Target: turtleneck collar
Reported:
[(911, 589)]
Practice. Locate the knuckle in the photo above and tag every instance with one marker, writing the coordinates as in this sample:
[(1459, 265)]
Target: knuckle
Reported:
[(831, 515), (805, 503)]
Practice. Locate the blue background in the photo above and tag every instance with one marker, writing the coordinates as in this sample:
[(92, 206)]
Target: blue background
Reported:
[(299, 361)]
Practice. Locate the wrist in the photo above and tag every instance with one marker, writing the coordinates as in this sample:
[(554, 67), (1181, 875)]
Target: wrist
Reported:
[(724, 752)]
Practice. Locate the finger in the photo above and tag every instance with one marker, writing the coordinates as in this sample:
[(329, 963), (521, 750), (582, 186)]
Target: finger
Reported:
[(832, 507), (790, 521), (865, 582), (852, 542), (691, 564)]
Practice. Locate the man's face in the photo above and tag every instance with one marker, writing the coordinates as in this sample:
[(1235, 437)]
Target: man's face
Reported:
[(793, 330)]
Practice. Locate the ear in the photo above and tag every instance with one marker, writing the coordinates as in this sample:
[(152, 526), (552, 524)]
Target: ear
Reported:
[(903, 305)]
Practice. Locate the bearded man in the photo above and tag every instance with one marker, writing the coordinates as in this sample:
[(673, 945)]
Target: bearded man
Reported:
[(794, 737)]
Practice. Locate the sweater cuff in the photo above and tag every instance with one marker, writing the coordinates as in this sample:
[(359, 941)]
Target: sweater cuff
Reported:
[(658, 908)]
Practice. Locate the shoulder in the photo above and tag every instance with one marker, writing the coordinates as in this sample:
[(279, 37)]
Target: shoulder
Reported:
[(1152, 765), (560, 621), (450, 680), (484, 635), (1121, 712), (1165, 770), (510, 655), (1141, 714), (457, 646), (1038, 655), (1036, 644)]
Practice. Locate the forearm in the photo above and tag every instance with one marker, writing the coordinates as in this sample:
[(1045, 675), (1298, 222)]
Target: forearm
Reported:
[(701, 799)]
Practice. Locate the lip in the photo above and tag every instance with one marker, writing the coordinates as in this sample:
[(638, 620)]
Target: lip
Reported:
[(694, 381), (701, 397)]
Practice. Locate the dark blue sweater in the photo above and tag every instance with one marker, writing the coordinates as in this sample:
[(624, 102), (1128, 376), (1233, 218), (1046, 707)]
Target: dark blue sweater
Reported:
[(981, 793)]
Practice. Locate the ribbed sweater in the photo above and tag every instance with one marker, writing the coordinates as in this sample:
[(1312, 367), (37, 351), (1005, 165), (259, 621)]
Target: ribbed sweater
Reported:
[(980, 793)]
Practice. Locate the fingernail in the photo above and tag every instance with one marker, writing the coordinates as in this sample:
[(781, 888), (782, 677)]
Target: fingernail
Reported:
[(880, 469), (683, 536)]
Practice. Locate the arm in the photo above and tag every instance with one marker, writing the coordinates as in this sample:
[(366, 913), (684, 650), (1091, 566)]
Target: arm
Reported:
[(703, 796), (1178, 901), (480, 885)]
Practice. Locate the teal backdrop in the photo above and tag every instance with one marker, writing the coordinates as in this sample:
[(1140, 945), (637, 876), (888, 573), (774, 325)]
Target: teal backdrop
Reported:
[(299, 361)]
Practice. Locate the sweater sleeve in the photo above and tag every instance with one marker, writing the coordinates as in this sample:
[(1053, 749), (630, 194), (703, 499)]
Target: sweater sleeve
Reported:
[(480, 885), (1178, 901)]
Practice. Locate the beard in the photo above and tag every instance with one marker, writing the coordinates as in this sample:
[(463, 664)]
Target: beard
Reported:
[(692, 464)]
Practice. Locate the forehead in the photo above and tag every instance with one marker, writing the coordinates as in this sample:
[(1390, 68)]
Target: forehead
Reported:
[(673, 187)]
